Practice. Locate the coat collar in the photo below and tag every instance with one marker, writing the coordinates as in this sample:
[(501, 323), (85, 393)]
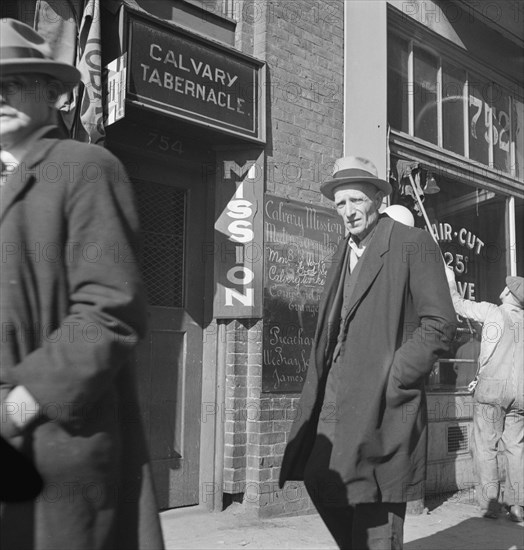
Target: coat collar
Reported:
[(373, 260), (20, 180)]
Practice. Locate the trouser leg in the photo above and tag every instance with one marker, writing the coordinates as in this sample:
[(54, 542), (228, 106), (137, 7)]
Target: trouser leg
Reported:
[(513, 439), (488, 422), (339, 521), (376, 526), (373, 526), (379, 526), (328, 493)]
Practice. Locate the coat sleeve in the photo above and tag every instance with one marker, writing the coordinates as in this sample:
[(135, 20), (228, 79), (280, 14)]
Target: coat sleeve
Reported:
[(429, 294), (77, 364), (476, 311)]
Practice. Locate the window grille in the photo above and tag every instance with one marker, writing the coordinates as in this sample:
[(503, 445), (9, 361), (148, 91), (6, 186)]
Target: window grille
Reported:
[(458, 439), (161, 210)]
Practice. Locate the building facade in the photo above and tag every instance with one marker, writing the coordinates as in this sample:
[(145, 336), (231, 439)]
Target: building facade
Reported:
[(228, 116)]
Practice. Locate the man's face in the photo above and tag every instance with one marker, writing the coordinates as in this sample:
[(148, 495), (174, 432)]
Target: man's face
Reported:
[(504, 294), (358, 204), (25, 103)]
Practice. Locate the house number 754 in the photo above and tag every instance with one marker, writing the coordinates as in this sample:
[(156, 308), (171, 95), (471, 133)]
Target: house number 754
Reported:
[(164, 143)]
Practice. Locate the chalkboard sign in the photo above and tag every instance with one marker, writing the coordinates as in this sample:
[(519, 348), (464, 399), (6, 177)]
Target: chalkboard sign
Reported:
[(299, 242)]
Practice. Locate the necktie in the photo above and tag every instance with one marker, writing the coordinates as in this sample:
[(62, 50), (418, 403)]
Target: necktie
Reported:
[(4, 173), (8, 166)]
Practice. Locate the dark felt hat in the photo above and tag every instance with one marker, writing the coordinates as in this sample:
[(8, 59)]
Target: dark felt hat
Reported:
[(24, 51)]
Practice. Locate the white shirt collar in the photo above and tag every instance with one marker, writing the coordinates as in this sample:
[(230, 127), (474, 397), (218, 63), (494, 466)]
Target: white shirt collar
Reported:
[(360, 247), (12, 158), (9, 161)]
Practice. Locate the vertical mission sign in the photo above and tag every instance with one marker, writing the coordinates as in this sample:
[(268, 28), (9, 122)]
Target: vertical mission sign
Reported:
[(238, 253)]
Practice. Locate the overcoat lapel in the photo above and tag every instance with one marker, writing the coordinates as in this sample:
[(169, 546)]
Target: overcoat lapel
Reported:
[(332, 282), (327, 329), (24, 176), (374, 260)]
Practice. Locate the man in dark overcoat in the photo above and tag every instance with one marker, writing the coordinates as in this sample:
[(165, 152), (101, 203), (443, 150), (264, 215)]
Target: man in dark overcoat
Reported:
[(360, 434), (72, 309)]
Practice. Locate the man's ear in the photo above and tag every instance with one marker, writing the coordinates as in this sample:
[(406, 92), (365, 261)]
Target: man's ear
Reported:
[(53, 90)]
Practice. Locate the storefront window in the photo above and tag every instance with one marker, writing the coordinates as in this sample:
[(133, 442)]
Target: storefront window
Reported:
[(425, 96), (398, 83), (470, 226), (517, 123), (453, 108), (519, 233), (479, 121), (501, 129), (437, 99)]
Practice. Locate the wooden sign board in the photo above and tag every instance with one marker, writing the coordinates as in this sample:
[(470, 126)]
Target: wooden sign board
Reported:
[(299, 242), (175, 72)]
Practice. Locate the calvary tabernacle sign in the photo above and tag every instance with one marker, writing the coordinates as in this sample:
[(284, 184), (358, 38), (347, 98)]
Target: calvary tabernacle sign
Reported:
[(176, 72)]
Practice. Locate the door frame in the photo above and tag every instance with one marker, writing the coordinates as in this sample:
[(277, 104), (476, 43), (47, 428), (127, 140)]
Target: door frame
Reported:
[(210, 493)]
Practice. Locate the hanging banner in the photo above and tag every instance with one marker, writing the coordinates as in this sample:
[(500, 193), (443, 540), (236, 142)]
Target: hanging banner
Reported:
[(89, 63)]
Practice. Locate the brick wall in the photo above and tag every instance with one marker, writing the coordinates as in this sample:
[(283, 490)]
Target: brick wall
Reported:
[(305, 66), (256, 428), (243, 374), (302, 44)]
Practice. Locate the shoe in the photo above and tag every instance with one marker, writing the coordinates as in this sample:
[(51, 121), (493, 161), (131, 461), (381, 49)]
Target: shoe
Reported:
[(516, 514), (492, 512)]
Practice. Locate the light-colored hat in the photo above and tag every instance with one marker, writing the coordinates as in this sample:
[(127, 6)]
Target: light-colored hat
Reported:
[(400, 214), (23, 50), (353, 170), (516, 287)]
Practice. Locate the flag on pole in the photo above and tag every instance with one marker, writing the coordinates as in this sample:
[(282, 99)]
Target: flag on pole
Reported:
[(89, 63), (57, 21)]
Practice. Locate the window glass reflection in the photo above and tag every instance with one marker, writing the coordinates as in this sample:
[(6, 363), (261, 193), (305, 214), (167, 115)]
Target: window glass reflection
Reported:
[(425, 96), (517, 120), (453, 109), (469, 223), (501, 129), (479, 117), (398, 83), (519, 233)]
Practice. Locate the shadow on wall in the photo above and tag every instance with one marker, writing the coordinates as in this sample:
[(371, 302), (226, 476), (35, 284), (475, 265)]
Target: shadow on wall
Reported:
[(474, 534)]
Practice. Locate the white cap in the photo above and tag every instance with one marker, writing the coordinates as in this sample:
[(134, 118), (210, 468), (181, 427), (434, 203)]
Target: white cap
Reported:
[(400, 214)]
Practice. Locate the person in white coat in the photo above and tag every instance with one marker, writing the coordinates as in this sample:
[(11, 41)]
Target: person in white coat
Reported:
[(498, 414)]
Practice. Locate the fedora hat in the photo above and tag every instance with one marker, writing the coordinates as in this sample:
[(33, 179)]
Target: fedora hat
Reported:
[(516, 287), (23, 50), (353, 170)]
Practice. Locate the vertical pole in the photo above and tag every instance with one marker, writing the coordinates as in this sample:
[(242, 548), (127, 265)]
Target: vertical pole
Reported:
[(511, 236), (218, 500), (365, 90)]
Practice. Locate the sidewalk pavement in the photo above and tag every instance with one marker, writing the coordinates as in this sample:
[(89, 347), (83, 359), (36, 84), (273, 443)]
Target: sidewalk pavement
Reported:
[(452, 525)]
